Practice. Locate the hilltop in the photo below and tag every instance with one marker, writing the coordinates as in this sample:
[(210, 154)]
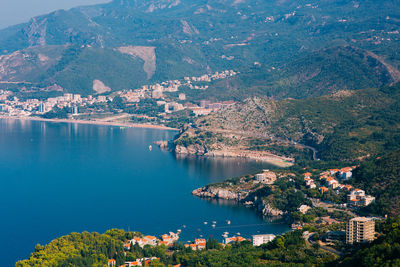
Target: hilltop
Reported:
[(125, 44)]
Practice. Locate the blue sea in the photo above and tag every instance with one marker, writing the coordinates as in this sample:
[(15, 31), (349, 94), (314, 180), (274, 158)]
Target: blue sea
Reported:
[(58, 178)]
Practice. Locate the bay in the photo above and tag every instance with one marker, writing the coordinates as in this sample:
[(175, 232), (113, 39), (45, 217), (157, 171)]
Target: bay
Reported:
[(58, 178)]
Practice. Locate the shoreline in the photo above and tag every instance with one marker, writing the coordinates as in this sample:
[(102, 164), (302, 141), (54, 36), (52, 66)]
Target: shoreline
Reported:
[(275, 160), (93, 122)]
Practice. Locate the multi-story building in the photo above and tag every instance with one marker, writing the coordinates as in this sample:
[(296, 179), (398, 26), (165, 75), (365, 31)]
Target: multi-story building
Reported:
[(360, 230), (262, 239)]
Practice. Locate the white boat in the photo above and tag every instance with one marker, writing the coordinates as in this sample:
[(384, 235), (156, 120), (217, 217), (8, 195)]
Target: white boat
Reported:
[(228, 222), (205, 222), (214, 222), (213, 225), (150, 147)]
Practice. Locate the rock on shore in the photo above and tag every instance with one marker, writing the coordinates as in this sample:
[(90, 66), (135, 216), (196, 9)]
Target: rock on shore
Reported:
[(217, 192), (195, 149), (223, 193)]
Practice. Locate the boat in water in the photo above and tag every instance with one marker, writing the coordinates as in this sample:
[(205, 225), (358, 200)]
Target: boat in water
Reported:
[(150, 147)]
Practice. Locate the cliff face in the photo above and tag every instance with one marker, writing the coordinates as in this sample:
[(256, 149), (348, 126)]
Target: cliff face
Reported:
[(223, 193), (218, 192), (195, 149)]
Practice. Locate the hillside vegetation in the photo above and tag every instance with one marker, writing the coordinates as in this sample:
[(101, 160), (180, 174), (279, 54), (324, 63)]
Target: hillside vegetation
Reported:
[(290, 249), (381, 177), (283, 48), (347, 125)]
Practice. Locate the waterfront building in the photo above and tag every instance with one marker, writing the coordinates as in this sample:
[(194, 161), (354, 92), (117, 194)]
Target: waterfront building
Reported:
[(234, 239), (262, 239), (360, 230)]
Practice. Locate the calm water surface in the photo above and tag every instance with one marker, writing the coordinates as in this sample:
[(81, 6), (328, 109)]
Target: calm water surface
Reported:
[(58, 178)]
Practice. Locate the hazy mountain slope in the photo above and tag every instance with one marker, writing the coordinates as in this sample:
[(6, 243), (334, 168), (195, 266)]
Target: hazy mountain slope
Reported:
[(194, 37), (313, 74)]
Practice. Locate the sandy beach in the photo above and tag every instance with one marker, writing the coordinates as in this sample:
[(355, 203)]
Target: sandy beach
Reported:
[(93, 122)]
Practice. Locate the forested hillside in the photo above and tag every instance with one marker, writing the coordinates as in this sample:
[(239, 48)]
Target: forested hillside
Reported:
[(381, 178), (347, 125), (283, 49)]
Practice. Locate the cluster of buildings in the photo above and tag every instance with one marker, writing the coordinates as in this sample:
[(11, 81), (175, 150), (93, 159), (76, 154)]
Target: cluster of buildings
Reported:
[(210, 77), (198, 244), (17, 107), (137, 262), (331, 178), (166, 239)]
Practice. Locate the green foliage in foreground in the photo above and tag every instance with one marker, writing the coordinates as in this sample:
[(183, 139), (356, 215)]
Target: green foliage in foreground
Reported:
[(93, 249)]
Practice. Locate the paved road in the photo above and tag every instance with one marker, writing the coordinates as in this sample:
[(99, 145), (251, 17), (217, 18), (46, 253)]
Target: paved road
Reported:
[(309, 241)]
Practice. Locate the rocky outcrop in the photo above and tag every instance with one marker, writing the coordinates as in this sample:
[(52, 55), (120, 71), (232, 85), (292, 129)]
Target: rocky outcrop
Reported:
[(268, 210), (195, 149), (218, 192)]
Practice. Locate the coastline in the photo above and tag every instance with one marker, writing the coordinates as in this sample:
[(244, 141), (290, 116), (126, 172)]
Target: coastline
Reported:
[(94, 122), (264, 157)]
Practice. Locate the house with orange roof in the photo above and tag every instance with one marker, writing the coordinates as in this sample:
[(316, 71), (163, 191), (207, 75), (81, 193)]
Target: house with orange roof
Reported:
[(197, 241), (234, 239), (132, 263), (111, 263), (201, 245), (348, 187), (164, 243), (357, 197), (346, 173), (333, 184), (137, 240), (150, 240), (240, 239), (330, 178), (127, 246), (193, 246), (307, 174)]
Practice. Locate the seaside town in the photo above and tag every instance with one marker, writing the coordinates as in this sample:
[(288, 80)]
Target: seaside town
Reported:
[(335, 233), (77, 104)]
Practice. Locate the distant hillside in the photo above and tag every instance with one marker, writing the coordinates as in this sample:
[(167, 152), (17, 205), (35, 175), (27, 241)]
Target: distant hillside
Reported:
[(314, 74), (347, 125), (275, 38)]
